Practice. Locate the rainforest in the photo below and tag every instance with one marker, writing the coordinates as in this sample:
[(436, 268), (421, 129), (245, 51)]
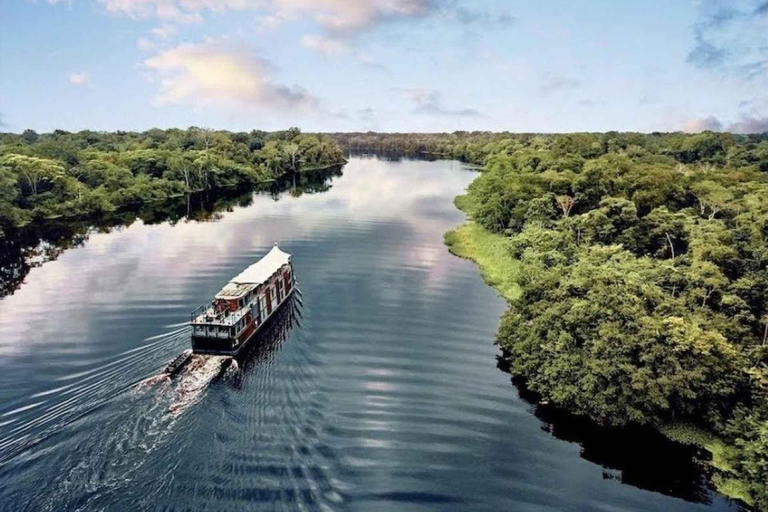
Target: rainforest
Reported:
[(88, 174)]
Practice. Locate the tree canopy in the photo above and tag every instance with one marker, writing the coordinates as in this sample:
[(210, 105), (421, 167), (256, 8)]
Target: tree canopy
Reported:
[(86, 174)]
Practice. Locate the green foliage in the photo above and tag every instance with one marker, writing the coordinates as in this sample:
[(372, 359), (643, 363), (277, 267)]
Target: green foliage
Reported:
[(642, 267), (86, 174), (490, 252)]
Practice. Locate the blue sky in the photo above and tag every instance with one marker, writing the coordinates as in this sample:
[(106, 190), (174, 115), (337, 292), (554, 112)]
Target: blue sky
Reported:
[(385, 65)]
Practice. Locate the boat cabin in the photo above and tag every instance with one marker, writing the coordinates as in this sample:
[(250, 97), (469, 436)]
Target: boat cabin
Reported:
[(237, 312)]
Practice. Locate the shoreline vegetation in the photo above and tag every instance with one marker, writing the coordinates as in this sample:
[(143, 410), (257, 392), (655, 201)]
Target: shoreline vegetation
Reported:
[(38, 243), (88, 175), (635, 267)]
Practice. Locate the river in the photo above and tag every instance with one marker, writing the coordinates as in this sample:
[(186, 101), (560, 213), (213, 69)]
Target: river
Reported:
[(381, 390)]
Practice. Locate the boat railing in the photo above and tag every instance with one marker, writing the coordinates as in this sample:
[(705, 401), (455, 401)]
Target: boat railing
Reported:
[(208, 315), (197, 312)]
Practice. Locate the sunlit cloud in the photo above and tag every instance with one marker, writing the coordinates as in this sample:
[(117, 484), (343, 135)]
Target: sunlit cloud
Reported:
[(218, 73), (333, 15)]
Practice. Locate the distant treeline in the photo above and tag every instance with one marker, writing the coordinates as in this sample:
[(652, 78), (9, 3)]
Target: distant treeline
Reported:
[(86, 174), (642, 262), (477, 147)]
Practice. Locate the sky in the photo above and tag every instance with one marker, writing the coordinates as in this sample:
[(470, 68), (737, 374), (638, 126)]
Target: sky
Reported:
[(385, 65)]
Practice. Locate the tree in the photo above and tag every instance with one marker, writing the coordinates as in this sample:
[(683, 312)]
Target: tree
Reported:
[(30, 136), (292, 150), (34, 170), (566, 204), (711, 196)]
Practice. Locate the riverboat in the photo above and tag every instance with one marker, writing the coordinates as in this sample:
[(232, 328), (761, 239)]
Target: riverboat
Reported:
[(243, 306)]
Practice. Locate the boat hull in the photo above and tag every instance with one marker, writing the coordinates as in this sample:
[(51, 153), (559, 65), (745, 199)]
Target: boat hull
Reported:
[(233, 346)]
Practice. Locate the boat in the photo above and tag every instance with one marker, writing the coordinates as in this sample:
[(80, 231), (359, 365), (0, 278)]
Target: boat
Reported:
[(243, 306)]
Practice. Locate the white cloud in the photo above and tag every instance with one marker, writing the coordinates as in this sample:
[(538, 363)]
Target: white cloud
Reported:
[(181, 11), (164, 31), (271, 21), (81, 79), (324, 44), (353, 15), (217, 73), (333, 15)]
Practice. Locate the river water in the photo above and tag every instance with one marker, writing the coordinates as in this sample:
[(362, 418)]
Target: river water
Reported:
[(379, 390)]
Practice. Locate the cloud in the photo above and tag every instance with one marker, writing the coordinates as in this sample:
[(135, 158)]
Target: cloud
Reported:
[(749, 125), (337, 16), (702, 124), (429, 102), (349, 16), (181, 11), (730, 38), (82, 79), (272, 20), (164, 31), (367, 115), (486, 18), (556, 83), (324, 44), (217, 73), (745, 125)]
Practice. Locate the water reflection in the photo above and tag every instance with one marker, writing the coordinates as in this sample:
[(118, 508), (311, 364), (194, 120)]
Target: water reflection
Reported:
[(37, 244), (267, 342), (634, 456)]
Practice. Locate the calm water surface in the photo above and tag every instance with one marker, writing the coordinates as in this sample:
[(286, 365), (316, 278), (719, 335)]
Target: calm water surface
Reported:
[(380, 392)]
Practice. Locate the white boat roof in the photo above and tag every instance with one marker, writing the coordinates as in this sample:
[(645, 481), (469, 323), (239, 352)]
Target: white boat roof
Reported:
[(264, 268)]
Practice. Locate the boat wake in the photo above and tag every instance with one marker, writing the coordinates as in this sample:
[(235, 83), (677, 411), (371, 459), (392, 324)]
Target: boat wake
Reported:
[(194, 377), (133, 375), (134, 372)]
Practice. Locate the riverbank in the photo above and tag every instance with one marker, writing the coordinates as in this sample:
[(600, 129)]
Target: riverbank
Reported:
[(491, 252)]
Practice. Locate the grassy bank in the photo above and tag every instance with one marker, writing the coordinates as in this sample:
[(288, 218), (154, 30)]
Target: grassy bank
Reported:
[(488, 250)]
